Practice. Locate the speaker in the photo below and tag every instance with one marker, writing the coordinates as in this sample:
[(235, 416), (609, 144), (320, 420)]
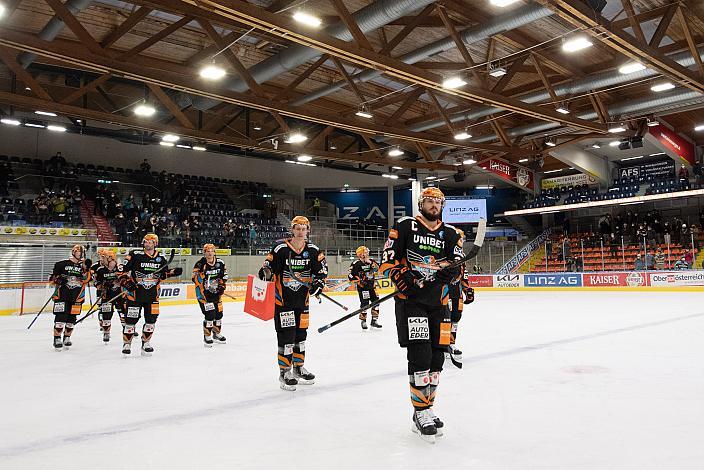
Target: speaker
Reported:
[(637, 142), (624, 145), (460, 176)]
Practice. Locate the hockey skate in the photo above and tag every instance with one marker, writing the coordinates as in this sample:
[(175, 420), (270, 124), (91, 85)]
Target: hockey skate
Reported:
[(375, 324), (126, 348), (58, 344), (424, 426), (147, 349), (219, 339), (207, 341), (67, 342), (438, 423), (287, 381), (453, 353), (303, 376), (364, 324)]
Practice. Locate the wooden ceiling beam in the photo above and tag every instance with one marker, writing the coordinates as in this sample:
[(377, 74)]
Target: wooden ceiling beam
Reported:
[(599, 107), (511, 72), (87, 88), (544, 79), (351, 24), (632, 21), (348, 79), (664, 24), (450, 27), (75, 26), (407, 29), (164, 33), (442, 112), (690, 41), (372, 146), (424, 153), (410, 99), (170, 105), (9, 57), (218, 116), (126, 26)]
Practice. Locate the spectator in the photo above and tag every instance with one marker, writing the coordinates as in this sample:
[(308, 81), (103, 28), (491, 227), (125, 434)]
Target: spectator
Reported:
[(129, 206), (477, 269), (99, 201), (132, 232), (681, 264), (120, 224), (689, 258), (252, 234), (683, 174), (41, 207), (659, 260), (649, 261), (639, 264), (316, 208), (698, 174), (145, 167)]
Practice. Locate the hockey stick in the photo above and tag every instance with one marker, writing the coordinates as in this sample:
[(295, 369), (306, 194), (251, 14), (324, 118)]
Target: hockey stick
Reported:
[(308, 284), (40, 311), (91, 311), (476, 246)]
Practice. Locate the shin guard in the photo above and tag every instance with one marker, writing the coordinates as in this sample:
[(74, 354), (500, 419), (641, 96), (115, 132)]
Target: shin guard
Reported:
[(420, 389), (285, 357)]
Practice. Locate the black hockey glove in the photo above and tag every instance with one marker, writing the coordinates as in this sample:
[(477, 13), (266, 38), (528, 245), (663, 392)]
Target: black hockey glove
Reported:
[(265, 274), (87, 263), (174, 272), (447, 275), (221, 289), (468, 295), (129, 284), (405, 280), (316, 287), (60, 281)]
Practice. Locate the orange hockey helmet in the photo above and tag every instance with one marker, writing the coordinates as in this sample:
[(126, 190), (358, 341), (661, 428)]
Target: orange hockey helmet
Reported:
[(151, 236), (208, 246), (300, 220), (361, 250)]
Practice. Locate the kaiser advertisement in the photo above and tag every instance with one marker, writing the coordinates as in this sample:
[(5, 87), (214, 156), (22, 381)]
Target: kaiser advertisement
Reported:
[(609, 279), (509, 172)]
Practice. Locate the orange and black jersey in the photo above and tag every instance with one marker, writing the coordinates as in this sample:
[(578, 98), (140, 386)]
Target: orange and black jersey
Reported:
[(107, 282), (363, 273), (70, 279), (307, 264), (207, 278), (143, 268), (414, 245)]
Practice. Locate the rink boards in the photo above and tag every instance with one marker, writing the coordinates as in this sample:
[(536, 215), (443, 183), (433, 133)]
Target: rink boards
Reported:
[(177, 293)]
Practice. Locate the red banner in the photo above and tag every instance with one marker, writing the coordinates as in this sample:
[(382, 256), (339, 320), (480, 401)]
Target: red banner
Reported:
[(614, 279), (509, 172), (683, 151), (259, 301), (481, 281)]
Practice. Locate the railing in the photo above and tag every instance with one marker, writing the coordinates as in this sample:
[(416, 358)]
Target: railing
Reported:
[(524, 253)]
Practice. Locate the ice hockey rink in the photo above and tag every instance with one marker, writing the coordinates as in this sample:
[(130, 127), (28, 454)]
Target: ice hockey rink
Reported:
[(551, 380)]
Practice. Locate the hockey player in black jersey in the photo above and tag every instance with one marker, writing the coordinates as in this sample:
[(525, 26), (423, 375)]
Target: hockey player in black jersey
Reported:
[(460, 295), (210, 278), (140, 276), (107, 284), (70, 278), (291, 299), (363, 272), (416, 258)]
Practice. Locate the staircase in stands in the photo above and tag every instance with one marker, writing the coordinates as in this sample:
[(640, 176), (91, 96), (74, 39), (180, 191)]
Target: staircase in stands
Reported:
[(100, 223)]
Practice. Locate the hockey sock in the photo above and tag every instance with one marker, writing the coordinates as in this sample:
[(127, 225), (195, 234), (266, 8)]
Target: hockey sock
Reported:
[(299, 354), (58, 329), (375, 314), (363, 316), (284, 357), (147, 332), (69, 330), (420, 389), (207, 328), (127, 333), (105, 325), (432, 388), (217, 327), (453, 333)]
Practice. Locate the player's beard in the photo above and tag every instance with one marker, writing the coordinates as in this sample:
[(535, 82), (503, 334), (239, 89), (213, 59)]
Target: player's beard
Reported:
[(429, 216)]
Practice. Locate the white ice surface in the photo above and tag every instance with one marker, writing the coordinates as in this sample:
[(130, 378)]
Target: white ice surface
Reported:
[(563, 380)]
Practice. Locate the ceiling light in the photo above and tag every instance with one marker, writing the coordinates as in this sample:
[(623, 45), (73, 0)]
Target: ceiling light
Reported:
[(663, 86), (304, 158), (596, 145), (144, 110), (562, 109), (2, 10), (45, 113), (10, 122), (395, 152), (550, 143), (631, 67), (431, 177), (386, 175), (614, 143), (652, 122), (166, 144), (411, 179), (656, 154), (616, 129), (631, 158), (453, 82), (295, 138), (699, 128), (552, 171), (199, 148), (181, 146), (333, 146), (576, 44), (170, 138), (484, 186), (397, 168), (502, 3), (463, 135), (364, 113), (257, 127), (523, 160), (497, 72), (212, 72), (457, 164), (346, 185), (55, 128), (307, 19), (34, 124), (469, 161)]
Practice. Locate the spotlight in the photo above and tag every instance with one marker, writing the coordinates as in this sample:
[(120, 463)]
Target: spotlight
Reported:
[(55, 128), (304, 158), (395, 152), (616, 129), (199, 148), (45, 113), (453, 82), (170, 138), (497, 72), (596, 145), (363, 112), (463, 135), (295, 138), (652, 122), (664, 86), (502, 3), (307, 19), (631, 67), (144, 110), (562, 109), (576, 44), (212, 72), (10, 121)]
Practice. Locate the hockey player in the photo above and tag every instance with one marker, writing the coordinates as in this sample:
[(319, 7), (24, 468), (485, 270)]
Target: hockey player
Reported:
[(416, 257), (363, 272), (140, 276), (210, 278), (291, 312), (460, 295), (107, 284), (70, 278)]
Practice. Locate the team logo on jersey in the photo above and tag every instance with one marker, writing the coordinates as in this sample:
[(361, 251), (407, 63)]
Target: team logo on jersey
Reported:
[(305, 254), (158, 259), (73, 282), (425, 265), (441, 234), (147, 281)]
